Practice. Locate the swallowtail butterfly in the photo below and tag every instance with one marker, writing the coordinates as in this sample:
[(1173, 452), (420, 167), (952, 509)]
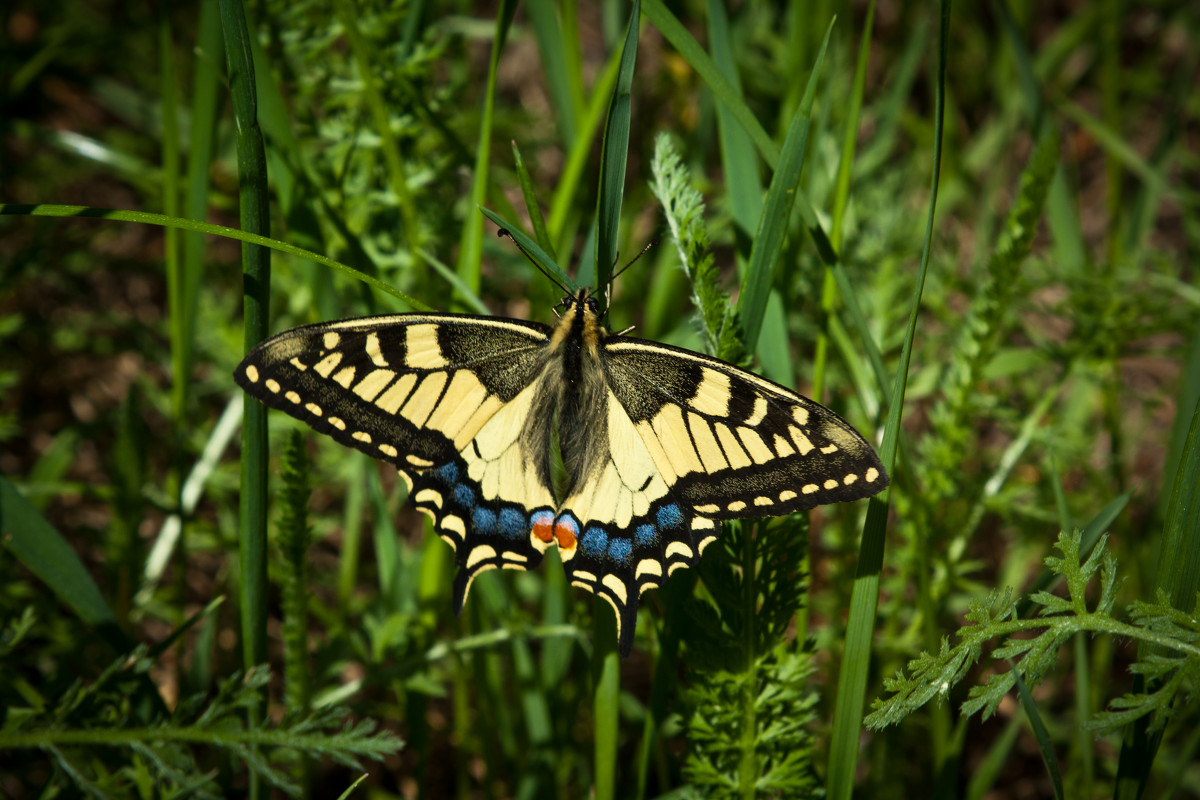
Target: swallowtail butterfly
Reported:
[(659, 444)]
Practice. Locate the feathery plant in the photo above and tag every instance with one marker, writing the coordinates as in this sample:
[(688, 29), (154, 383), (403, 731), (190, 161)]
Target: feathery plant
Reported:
[(106, 743), (683, 209), (749, 705), (1174, 667)]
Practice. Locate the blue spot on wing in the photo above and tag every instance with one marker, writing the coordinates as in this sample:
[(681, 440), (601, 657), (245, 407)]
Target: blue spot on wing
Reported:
[(646, 536), (464, 495), (484, 520), (620, 551), (512, 523), (594, 542), (670, 516), (449, 473)]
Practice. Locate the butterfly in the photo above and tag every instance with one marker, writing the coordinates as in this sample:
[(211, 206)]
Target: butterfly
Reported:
[(659, 444)]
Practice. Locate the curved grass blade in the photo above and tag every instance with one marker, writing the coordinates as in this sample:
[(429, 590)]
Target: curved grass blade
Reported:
[(39, 546), (856, 660), (531, 204), (541, 259), (777, 212), (471, 246), (1040, 733), (247, 237), (254, 216), (614, 154)]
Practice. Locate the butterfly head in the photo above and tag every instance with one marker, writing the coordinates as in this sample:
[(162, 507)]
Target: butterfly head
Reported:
[(580, 318)]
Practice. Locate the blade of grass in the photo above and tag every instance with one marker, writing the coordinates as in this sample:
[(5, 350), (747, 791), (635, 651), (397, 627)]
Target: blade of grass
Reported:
[(743, 184), (246, 237), (1045, 746), (683, 41), (541, 259), (531, 204), (856, 661), (206, 86), (40, 547), (177, 299), (581, 149), (254, 215), (841, 199), (470, 251), (777, 212), (555, 47), (995, 761), (1179, 559), (614, 155)]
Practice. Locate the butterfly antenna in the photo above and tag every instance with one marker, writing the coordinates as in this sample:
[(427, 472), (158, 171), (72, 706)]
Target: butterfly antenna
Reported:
[(612, 278), (504, 233)]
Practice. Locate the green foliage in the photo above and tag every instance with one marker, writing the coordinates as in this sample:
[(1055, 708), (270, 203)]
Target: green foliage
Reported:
[(683, 209), (951, 418), (105, 742), (295, 536), (1037, 642), (1054, 366), (750, 708)]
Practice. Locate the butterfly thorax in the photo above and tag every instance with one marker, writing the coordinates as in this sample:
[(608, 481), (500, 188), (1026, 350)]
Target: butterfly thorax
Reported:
[(576, 369)]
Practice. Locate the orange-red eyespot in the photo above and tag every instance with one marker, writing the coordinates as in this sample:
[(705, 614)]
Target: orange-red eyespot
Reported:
[(565, 531), (543, 526)]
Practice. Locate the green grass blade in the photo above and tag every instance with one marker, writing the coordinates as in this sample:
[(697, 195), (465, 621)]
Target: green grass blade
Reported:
[(472, 300), (37, 545), (606, 675), (856, 661), (1189, 397), (1045, 746), (841, 198), (743, 184), (540, 257), (614, 155), (1027, 78), (577, 158), (246, 237), (254, 214), (777, 212), (177, 300), (1179, 558), (725, 92), (531, 204), (556, 46), (994, 763), (470, 251), (841, 192)]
